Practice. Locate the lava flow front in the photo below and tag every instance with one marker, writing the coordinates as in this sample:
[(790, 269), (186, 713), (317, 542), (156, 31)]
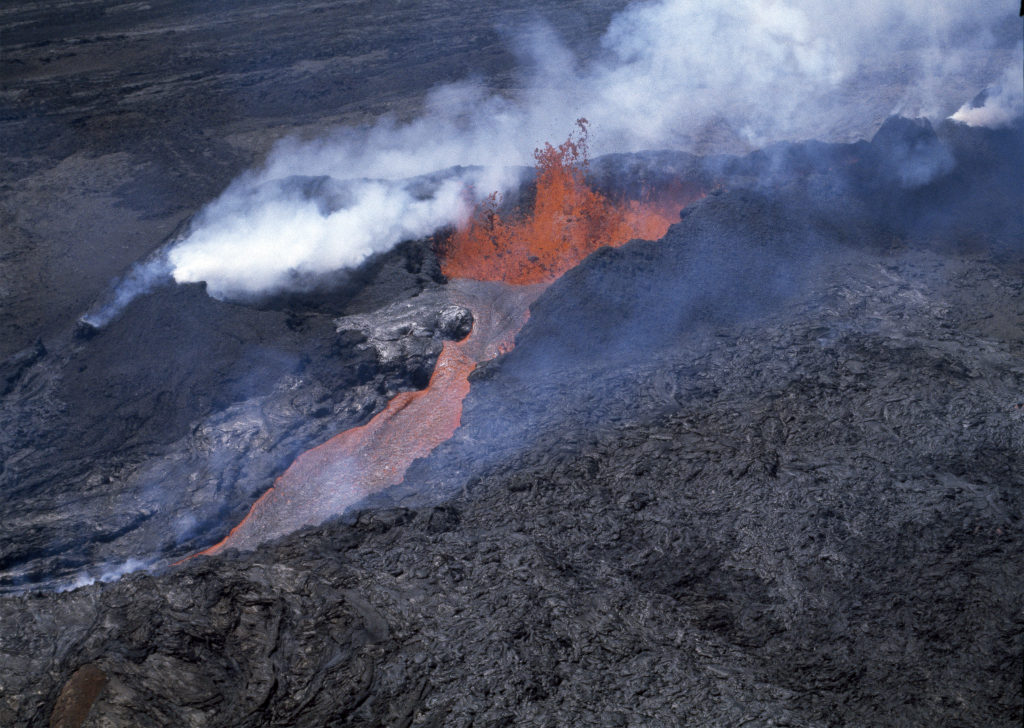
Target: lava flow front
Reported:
[(497, 268)]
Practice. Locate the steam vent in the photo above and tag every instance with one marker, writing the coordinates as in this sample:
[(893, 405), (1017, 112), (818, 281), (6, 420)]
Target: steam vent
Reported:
[(565, 364)]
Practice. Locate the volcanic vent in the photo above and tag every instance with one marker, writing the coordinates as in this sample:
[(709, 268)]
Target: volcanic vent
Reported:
[(496, 266), (766, 469), (569, 221)]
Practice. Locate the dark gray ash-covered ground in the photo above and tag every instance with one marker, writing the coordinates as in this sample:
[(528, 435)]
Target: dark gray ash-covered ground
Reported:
[(768, 470), (663, 508)]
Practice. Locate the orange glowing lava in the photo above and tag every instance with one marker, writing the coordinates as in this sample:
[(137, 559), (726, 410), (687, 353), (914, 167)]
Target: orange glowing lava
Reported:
[(497, 269), (568, 223), (327, 479)]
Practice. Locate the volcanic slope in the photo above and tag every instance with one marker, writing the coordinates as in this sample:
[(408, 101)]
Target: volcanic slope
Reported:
[(804, 510), (118, 119), (146, 437)]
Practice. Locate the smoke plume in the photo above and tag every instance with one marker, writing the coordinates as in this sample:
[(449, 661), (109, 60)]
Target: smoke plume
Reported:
[(670, 74), (104, 573), (283, 233), (1001, 103), (139, 280)]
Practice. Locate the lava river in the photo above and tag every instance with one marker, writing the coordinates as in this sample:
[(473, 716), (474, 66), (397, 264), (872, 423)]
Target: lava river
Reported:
[(496, 268)]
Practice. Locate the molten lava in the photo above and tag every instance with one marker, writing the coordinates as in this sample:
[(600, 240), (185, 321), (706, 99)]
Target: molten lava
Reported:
[(328, 479), (568, 223), (497, 269)]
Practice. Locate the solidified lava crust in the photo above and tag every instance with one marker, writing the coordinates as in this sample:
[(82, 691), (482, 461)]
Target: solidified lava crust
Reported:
[(328, 480), (768, 470), (509, 264)]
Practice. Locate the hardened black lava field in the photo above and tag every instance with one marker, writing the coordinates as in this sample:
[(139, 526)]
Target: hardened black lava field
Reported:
[(765, 471)]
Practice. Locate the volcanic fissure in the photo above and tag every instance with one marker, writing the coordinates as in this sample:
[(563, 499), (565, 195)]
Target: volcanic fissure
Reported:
[(496, 266)]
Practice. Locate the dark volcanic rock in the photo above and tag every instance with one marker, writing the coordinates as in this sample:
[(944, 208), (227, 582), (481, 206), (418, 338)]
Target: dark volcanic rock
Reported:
[(148, 438), (802, 510), (732, 256), (768, 473), (12, 369), (121, 119), (907, 153)]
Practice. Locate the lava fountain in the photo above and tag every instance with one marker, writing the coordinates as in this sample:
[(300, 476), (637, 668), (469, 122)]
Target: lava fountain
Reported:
[(496, 267)]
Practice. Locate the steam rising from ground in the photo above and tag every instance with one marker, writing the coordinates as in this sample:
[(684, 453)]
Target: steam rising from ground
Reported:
[(1001, 103), (669, 74), (104, 573), (142, 278), (279, 235)]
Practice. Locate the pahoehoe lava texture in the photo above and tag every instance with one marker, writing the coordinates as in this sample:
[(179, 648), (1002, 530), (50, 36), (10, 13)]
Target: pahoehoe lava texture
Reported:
[(793, 499)]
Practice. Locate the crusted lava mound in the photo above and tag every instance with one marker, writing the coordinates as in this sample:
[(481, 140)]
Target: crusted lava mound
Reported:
[(768, 470)]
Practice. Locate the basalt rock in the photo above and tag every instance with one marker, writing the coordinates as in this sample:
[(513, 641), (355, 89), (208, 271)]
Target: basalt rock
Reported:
[(767, 471), (213, 397), (798, 506), (408, 334), (808, 519)]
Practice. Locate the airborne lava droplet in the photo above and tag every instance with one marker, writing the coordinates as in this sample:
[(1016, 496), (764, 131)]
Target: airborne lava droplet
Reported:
[(497, 268)]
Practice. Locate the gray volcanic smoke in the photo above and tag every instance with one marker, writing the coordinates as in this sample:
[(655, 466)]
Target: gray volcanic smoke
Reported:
[(758, 459), (670, 74), (1000, 103)]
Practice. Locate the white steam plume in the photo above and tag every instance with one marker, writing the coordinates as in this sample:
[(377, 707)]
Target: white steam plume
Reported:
[(139, 280), (674, 73), (1003, 102), (105, 573), (261, 240)]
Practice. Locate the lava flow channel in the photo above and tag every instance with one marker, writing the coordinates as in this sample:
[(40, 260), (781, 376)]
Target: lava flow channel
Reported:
[(497, 268), (328, 479)]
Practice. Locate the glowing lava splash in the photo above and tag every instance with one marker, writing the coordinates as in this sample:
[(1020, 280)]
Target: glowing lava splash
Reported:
[(569, 222), (497, 268)]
